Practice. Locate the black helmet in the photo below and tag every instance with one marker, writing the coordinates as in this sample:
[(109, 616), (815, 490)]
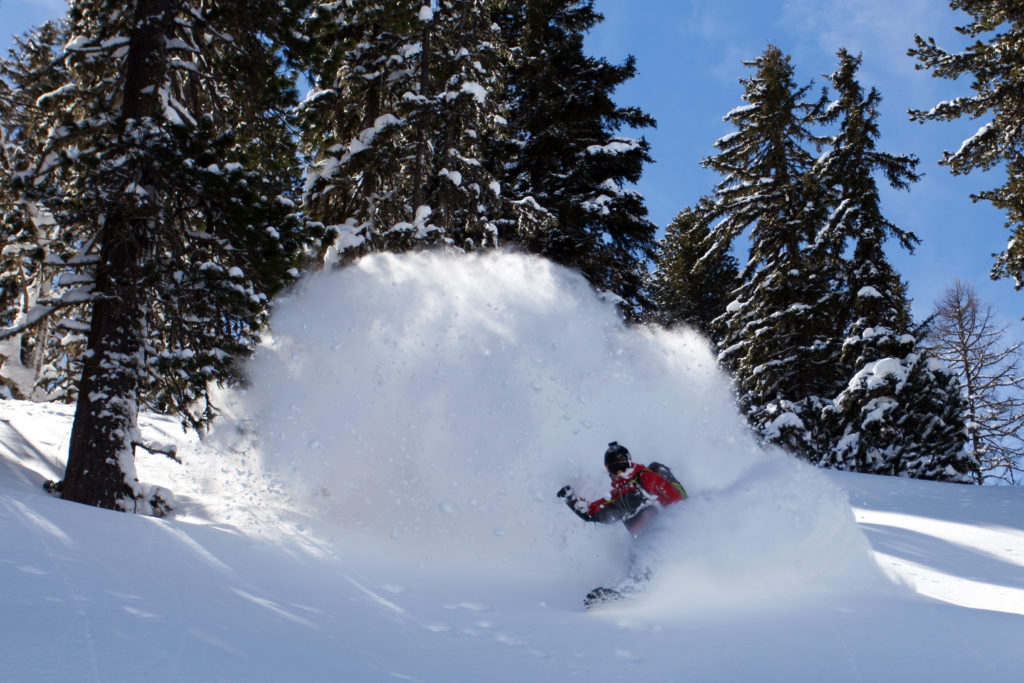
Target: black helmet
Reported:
[(616, 458)]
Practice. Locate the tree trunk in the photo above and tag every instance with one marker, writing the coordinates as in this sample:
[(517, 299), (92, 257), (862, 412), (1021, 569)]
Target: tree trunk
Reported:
[(101, 453), (101, 467), (422, 144)]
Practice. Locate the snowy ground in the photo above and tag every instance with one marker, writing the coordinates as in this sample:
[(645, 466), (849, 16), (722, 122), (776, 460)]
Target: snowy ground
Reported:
[(398, 520)]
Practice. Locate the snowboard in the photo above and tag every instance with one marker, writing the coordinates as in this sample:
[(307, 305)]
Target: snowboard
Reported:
[(602, 596)]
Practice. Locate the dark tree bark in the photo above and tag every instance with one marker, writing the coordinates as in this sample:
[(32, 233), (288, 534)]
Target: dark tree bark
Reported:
[(105, 418), (100, 469), (419, 193)]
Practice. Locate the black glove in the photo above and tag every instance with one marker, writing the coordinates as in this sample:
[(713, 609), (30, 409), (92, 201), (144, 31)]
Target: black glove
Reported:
[(565, 492)]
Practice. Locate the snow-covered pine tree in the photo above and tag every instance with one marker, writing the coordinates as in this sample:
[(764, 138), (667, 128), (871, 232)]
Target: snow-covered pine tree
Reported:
[(170, 169), (356, 122), (466, 199), (572, 157), (874, 431), (778, 333), (865, 418), (405, 111), (688, 287), (992, 63), (848, 170), (904, 417), (37, 358), (934, 418)]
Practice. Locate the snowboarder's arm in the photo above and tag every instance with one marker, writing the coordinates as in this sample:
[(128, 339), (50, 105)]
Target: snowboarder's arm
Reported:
[(598, 511), (601, 511)]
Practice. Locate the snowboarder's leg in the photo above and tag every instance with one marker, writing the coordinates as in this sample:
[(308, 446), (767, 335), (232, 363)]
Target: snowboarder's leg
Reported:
[(643, 558), (639, 571), (638, 574)]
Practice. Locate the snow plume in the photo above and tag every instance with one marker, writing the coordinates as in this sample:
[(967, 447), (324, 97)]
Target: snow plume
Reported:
[(436, 403), (781, 534)]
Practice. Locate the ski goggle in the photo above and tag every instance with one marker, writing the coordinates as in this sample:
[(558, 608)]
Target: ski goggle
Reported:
[(617, 466)]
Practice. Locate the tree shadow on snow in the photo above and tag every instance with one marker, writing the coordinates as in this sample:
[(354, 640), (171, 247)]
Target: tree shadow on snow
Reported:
[(26, 464), (944, 556)]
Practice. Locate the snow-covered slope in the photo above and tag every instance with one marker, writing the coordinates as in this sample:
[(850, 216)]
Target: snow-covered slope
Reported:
[(397, 518)]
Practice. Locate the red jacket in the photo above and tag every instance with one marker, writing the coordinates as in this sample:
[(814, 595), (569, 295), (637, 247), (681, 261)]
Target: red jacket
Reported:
[(632, 499)]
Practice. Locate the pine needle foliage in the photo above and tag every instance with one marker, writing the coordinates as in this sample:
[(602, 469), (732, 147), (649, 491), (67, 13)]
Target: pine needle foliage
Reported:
[(775, 332), (992, 63), (689, 286)]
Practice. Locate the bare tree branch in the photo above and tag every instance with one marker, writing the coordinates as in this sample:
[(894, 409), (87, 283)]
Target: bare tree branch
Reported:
[(967, 335)]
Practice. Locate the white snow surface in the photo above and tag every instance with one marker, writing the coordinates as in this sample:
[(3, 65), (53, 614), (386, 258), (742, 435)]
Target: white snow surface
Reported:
[(380, 506)]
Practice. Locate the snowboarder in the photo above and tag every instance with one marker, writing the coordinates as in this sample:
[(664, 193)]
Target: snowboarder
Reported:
[(637, 493)]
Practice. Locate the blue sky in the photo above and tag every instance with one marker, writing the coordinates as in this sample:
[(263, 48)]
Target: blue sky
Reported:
[(689, 56), (689, 59)]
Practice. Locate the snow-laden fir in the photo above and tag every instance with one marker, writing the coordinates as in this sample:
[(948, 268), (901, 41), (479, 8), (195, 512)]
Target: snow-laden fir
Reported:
[(379, 505)]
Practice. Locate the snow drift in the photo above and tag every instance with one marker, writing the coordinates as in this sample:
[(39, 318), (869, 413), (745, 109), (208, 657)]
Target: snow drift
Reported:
[(435, 403)]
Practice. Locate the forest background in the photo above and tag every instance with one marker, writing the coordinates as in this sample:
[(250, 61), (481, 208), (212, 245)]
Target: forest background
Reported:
[(689, 62), (688, 86)]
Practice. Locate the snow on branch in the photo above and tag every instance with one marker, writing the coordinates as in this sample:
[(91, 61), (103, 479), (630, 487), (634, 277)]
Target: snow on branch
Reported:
[(743, 109), (616, 146), (168, 449), (971, 141), (45, 308)]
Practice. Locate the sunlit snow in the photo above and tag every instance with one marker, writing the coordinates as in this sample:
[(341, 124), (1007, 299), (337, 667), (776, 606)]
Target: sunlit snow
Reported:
[(379, 504)]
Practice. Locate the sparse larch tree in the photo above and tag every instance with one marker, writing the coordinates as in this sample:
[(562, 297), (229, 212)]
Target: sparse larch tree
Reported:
[(967, 336)]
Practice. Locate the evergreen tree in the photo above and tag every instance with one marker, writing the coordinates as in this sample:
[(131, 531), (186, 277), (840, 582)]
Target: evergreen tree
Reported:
[(467, 197), (935, 421), (992, 61), (569, 156), (778, 331), (37, 358), (848, 170), (904, 417), (899, 412), (170, 173), (687, 287), (475, 123), (355, 122), (406, 100)]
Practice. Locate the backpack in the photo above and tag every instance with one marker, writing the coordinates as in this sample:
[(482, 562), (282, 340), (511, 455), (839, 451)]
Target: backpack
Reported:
[(666, 473)]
